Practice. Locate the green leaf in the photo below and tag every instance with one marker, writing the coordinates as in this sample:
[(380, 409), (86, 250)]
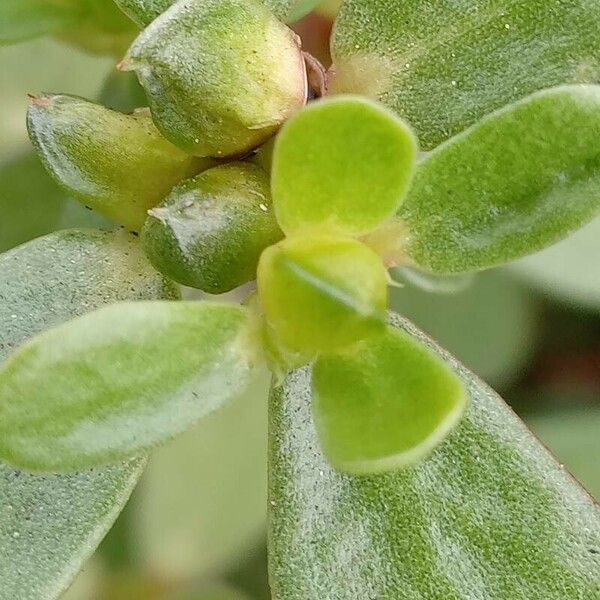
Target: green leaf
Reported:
[(117, 164), (569, 271), (143, 12), (122, 92), (342, 164), (50, 524), (24, 19), (322, 293), (385, 404), (521, 179), (203, 498), (120, 380), (210, 231), (221, 75), (489, 515), (444, 65), (494, 312)]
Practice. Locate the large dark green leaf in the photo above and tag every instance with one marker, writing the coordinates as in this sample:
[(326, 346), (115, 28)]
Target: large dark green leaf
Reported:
[(489, 516), (50, 524), (443, 65)]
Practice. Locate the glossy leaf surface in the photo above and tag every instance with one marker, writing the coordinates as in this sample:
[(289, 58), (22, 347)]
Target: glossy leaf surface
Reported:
[(489, 515), (342, 165), (143, 12), (384, 404), (50, 524), (221, 75), (322, 293), (521, 179), (117, 164), (444, 65), (210, 231), (117, 381)]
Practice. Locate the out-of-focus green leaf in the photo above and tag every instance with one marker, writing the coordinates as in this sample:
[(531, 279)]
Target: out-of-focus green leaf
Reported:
[(49, 525), (444, 65), (521, 179), (33, 205), (572, 436), (24, 19), (143, 12), (490, 326), (210, 231), (122, 92), (322, 293), (22, 71), (111, 384), (119, 165), (341, 165), (202, 501), (385, 404), (570, 270), (221, 75), (488, 515)]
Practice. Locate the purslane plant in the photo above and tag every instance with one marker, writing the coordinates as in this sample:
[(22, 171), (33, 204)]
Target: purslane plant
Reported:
[(338, 194)]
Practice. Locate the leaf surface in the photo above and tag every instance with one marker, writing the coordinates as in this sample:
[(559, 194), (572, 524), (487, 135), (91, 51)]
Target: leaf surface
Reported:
[(50, 524), (113, 383), (516, 182), (489, 515), (443, 65)]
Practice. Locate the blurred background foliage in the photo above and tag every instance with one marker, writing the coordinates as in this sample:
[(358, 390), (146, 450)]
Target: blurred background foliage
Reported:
[(195, 527)]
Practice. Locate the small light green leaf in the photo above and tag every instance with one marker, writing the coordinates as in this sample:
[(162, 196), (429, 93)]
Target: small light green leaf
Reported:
[(322, 293), (117, 381), (489, 515), (342, 164), (444, 65), (569, 271), (521, 179), (384, 404), (143, 12), (117, 164), (24, 19), (210, 231), (221, 75), (49, 525)]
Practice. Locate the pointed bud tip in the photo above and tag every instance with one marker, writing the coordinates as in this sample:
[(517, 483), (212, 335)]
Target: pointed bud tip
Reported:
[(43, 101)]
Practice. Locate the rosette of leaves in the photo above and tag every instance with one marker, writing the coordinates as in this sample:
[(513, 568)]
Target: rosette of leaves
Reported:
[(379, 487)]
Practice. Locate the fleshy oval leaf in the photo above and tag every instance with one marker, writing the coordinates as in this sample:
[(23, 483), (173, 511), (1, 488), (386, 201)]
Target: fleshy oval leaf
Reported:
[(322, 293), (518, 181), (343, 165), (117, 164), (490, 514), (50, 524), (221, 75), (444, 65), (115, 382), (384, 404), (210, 232), (143, 12)]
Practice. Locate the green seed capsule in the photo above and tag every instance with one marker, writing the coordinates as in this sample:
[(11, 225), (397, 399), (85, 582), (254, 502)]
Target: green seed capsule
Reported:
[(322, 293), (209, 233), (221, 75), (117, 164)]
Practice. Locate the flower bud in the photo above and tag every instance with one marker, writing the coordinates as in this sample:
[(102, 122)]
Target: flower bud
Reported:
[(118, 165), (221, 75), (322, 293), (209, 233)]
